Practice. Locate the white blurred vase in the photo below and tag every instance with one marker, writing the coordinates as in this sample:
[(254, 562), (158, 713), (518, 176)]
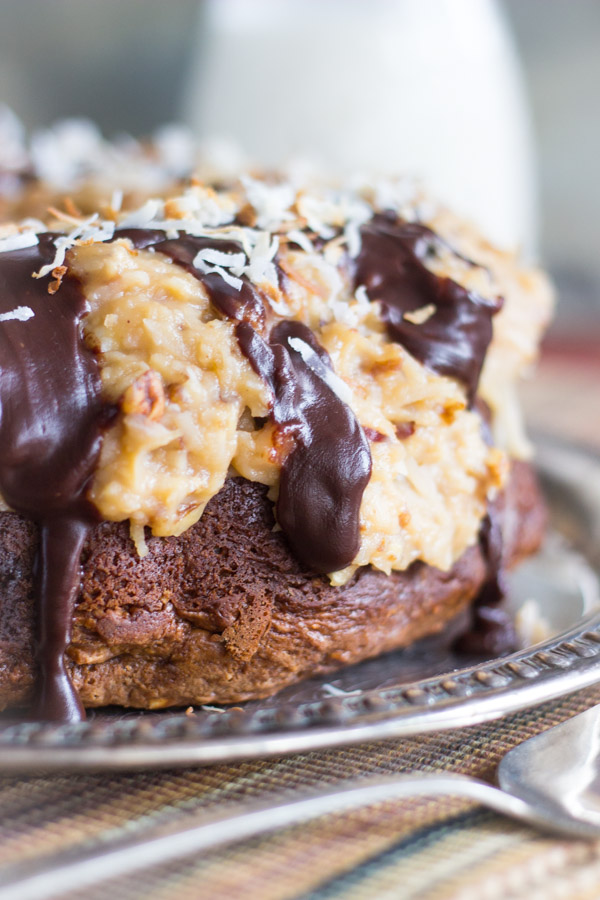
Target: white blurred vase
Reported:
[(425, 87)]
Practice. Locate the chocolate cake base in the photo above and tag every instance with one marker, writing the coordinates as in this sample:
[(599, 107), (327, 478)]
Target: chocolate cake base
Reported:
[(224, 612)]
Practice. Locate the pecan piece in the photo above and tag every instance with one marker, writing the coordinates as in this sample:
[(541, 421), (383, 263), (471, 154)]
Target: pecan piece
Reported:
[(145, 397)]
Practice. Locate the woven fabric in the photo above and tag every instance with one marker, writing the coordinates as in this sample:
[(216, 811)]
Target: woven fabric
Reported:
[(423, 848)]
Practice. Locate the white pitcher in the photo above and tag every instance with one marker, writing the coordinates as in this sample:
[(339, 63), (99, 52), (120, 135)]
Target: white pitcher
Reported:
[(426, 87)]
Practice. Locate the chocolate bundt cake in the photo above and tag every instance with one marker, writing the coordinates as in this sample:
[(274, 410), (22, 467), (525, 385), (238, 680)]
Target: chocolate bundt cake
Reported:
[(252, 432), (225, 612)]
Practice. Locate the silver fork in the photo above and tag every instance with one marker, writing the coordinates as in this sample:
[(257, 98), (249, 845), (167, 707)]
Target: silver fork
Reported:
[(549, 781)]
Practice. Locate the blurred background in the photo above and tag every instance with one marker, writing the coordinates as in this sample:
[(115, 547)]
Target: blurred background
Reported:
[(494, 104)]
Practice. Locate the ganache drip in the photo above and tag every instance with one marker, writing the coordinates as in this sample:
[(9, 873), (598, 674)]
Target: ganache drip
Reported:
[(454, 339), (325, 472), (491, 632), (324, 476), (51, 417)]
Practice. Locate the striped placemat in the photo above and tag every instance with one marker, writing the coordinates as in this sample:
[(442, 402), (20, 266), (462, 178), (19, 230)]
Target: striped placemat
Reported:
[(425, 848)]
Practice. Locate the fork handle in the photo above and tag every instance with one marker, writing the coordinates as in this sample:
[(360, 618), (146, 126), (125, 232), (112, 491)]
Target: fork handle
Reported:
[(75, 870)]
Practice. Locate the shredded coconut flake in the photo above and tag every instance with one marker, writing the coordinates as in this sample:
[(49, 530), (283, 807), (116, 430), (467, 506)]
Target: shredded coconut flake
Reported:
[(317, 211), (218, 258), (20, 314), (295, 236), (91, 229), (18, 241), (62, 244), (218, 270), (362, 298), (143, 216), (260, 268), (271, 202), (314, 362), (116, 201), (279, 306)]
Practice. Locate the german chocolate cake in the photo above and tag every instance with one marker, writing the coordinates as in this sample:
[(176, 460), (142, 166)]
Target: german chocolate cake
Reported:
[(252, 432)]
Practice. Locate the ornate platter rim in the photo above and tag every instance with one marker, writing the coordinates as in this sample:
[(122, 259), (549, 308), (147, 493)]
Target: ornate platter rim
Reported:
[(565, 663)]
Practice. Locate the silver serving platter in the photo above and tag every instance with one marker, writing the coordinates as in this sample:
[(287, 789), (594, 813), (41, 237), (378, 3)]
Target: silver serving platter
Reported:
[(422, 689)]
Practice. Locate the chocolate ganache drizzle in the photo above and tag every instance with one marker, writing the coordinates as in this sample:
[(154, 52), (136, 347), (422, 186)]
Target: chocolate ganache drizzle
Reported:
[(51, 417), (454, 339), (491, 630), (324, 476), (325, 473)]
